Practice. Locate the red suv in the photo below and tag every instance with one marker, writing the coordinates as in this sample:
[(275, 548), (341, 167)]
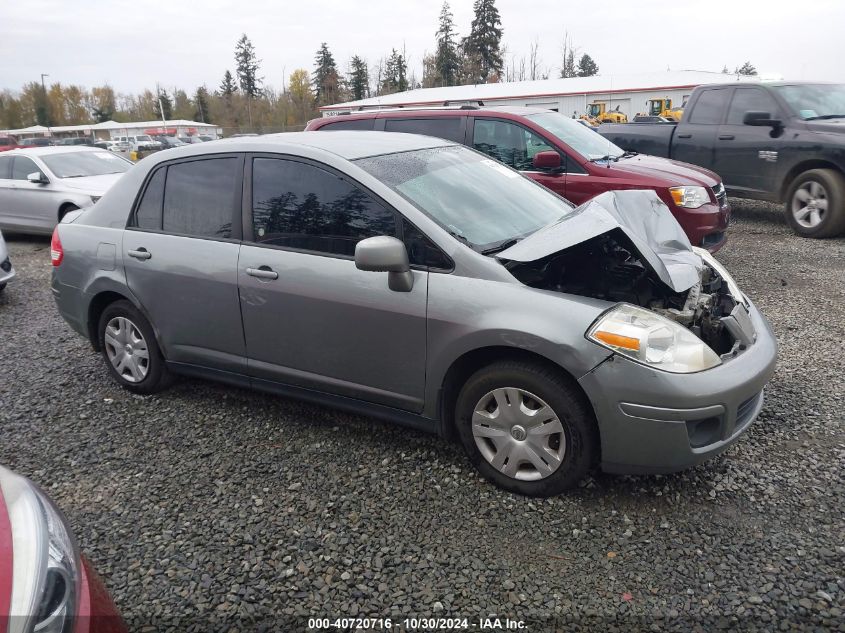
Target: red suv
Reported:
[(7, 143), (565, 156)]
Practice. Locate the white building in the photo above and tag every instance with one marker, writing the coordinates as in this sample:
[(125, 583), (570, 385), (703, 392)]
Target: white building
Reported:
[(112, 129), (567, 96)]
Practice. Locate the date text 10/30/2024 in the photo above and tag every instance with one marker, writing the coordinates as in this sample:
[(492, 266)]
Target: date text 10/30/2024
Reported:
[(490, 623)]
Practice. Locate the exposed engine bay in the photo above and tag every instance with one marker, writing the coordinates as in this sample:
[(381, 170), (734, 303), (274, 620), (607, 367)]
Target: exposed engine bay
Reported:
[(609, 267)]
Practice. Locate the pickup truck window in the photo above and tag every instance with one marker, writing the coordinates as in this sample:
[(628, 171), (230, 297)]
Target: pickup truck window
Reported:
[(750, 100), (815, 101), (710, 107)]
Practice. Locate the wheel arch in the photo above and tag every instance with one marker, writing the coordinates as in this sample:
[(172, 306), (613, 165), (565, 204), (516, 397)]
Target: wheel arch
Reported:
[(471, 361), (103, 299), (65, 207), (805, 165)]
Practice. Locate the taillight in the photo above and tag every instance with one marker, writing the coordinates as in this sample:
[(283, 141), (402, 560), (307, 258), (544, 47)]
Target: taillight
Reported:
[(57, 254)]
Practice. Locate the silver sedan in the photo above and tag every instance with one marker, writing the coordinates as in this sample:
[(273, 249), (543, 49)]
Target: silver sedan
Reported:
[(6, 269), (38, 186)]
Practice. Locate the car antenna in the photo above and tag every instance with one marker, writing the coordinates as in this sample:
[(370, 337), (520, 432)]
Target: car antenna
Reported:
[(608, 140)]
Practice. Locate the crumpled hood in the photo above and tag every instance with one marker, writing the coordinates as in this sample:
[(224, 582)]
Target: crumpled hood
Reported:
[(643, 217), (92, 185)]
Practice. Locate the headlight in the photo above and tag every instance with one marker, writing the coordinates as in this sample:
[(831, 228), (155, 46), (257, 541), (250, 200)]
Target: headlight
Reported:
[(689, 197), (711, 261), (45, 564), (95, 199), (652, 340)]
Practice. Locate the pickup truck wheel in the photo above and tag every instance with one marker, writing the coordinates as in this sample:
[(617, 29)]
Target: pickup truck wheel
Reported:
[(526, 428), (815, 204)]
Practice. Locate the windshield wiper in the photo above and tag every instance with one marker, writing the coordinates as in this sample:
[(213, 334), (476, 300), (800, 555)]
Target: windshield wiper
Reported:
[(825, 116), (628, 153), (606, 157), (500, 246)]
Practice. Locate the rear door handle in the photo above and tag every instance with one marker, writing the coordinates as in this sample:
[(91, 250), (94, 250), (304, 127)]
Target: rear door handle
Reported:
[(141, 253), (726, 137), (684, 135), (264, 272)]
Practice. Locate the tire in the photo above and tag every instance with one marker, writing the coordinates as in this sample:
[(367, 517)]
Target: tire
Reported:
[(2, 287), (566, 450), (66, 209), (803, 209), (124, 332)]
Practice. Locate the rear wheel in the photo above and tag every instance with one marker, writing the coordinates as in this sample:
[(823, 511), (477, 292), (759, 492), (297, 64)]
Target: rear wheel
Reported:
[(526, 428), (815, 204), (130, 349)]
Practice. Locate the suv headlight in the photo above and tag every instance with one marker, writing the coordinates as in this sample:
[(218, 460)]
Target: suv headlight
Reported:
[(689, 197), (45, 562), (711, 261), (651, 339)]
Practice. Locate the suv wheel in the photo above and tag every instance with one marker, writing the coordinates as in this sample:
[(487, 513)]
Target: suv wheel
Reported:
[(130, 350), (526, 428), (815, 204)]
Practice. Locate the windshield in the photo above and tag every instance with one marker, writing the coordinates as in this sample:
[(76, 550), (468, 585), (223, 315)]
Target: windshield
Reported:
[(580, 138), (815, 101), (476, 199), (78, 164), (143, 137)]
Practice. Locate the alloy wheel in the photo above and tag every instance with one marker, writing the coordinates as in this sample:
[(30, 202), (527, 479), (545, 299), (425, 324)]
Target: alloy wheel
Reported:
[(127, 349), (518, 434), (809, 204)]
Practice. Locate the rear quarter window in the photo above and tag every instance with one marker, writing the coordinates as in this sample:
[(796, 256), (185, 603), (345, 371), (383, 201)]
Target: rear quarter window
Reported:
[(450, 128)]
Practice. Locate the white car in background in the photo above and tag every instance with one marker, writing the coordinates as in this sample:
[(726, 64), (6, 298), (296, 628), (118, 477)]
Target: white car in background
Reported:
[(7, 271), (38, 186), (140, 142)]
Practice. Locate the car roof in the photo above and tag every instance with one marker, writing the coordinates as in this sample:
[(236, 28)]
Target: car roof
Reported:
[(346, 144), (53, 149)]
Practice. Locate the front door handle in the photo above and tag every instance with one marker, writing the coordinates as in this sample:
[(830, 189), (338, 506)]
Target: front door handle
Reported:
[(263, 272), (684, 135), (726, 137), (141, 253)]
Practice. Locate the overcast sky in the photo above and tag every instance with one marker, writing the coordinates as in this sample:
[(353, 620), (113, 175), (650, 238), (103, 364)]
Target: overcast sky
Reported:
[(132, 44)]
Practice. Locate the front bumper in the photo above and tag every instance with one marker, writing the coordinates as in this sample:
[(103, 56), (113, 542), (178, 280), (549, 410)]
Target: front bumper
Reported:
[(96, 613), (706, 226), (653, 421), (7, 271)]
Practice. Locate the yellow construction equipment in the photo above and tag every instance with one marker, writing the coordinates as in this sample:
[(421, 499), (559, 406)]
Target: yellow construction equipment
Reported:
[(663, 107), (597, 112)]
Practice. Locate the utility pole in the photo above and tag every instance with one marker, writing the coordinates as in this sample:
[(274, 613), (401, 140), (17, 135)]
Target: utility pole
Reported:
[(46, 102)]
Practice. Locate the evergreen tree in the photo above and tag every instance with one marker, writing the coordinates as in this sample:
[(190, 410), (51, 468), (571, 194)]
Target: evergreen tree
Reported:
[(247, 64), (163, 106), (395, 77), (746, 69), (228, 87), (483, 45), (725, 70), (587, 67), (447, 62), (359, 78), (202, 113), (325, 78)]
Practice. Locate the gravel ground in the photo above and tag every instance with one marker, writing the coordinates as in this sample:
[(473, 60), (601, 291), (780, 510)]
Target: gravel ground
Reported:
[(212, 508)]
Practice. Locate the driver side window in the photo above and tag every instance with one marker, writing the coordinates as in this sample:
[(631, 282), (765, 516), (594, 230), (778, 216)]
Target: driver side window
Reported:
[(511, 144)]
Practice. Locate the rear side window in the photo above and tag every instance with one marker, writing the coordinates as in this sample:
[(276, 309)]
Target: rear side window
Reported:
[(351, 124), (441, 127), (5, 166), (710, 107), (750, 100), (148, 213), (199, 197), (298, 205)]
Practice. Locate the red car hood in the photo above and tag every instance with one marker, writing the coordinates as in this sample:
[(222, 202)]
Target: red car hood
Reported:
[(673, 172)]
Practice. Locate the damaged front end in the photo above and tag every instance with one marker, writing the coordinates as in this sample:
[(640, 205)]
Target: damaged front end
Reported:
[(625, 247)]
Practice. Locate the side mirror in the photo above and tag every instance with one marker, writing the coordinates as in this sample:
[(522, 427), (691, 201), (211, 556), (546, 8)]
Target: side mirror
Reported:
[(386, 254), (547, 161), (760, 119), (37, 177)]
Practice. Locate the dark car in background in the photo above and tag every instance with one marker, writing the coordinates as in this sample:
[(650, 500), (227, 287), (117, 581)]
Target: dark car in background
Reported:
[(776, 141), (38, 141), (46, 585), (563, 155)]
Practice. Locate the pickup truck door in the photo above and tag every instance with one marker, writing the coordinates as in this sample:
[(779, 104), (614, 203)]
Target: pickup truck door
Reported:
[(695, 136), (746, 156)]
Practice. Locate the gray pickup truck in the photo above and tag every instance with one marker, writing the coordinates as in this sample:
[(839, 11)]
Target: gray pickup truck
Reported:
[(778, 141)]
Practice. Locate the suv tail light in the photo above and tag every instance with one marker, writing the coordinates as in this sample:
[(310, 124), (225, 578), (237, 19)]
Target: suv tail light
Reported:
[(57, 254)]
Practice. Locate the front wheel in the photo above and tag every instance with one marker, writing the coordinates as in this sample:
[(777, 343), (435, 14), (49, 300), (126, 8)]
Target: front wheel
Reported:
[(526, 428), (815, 204), (130, 349)]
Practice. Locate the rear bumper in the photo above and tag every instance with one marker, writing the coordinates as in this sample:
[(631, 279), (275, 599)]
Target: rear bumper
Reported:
[(656, 422)]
